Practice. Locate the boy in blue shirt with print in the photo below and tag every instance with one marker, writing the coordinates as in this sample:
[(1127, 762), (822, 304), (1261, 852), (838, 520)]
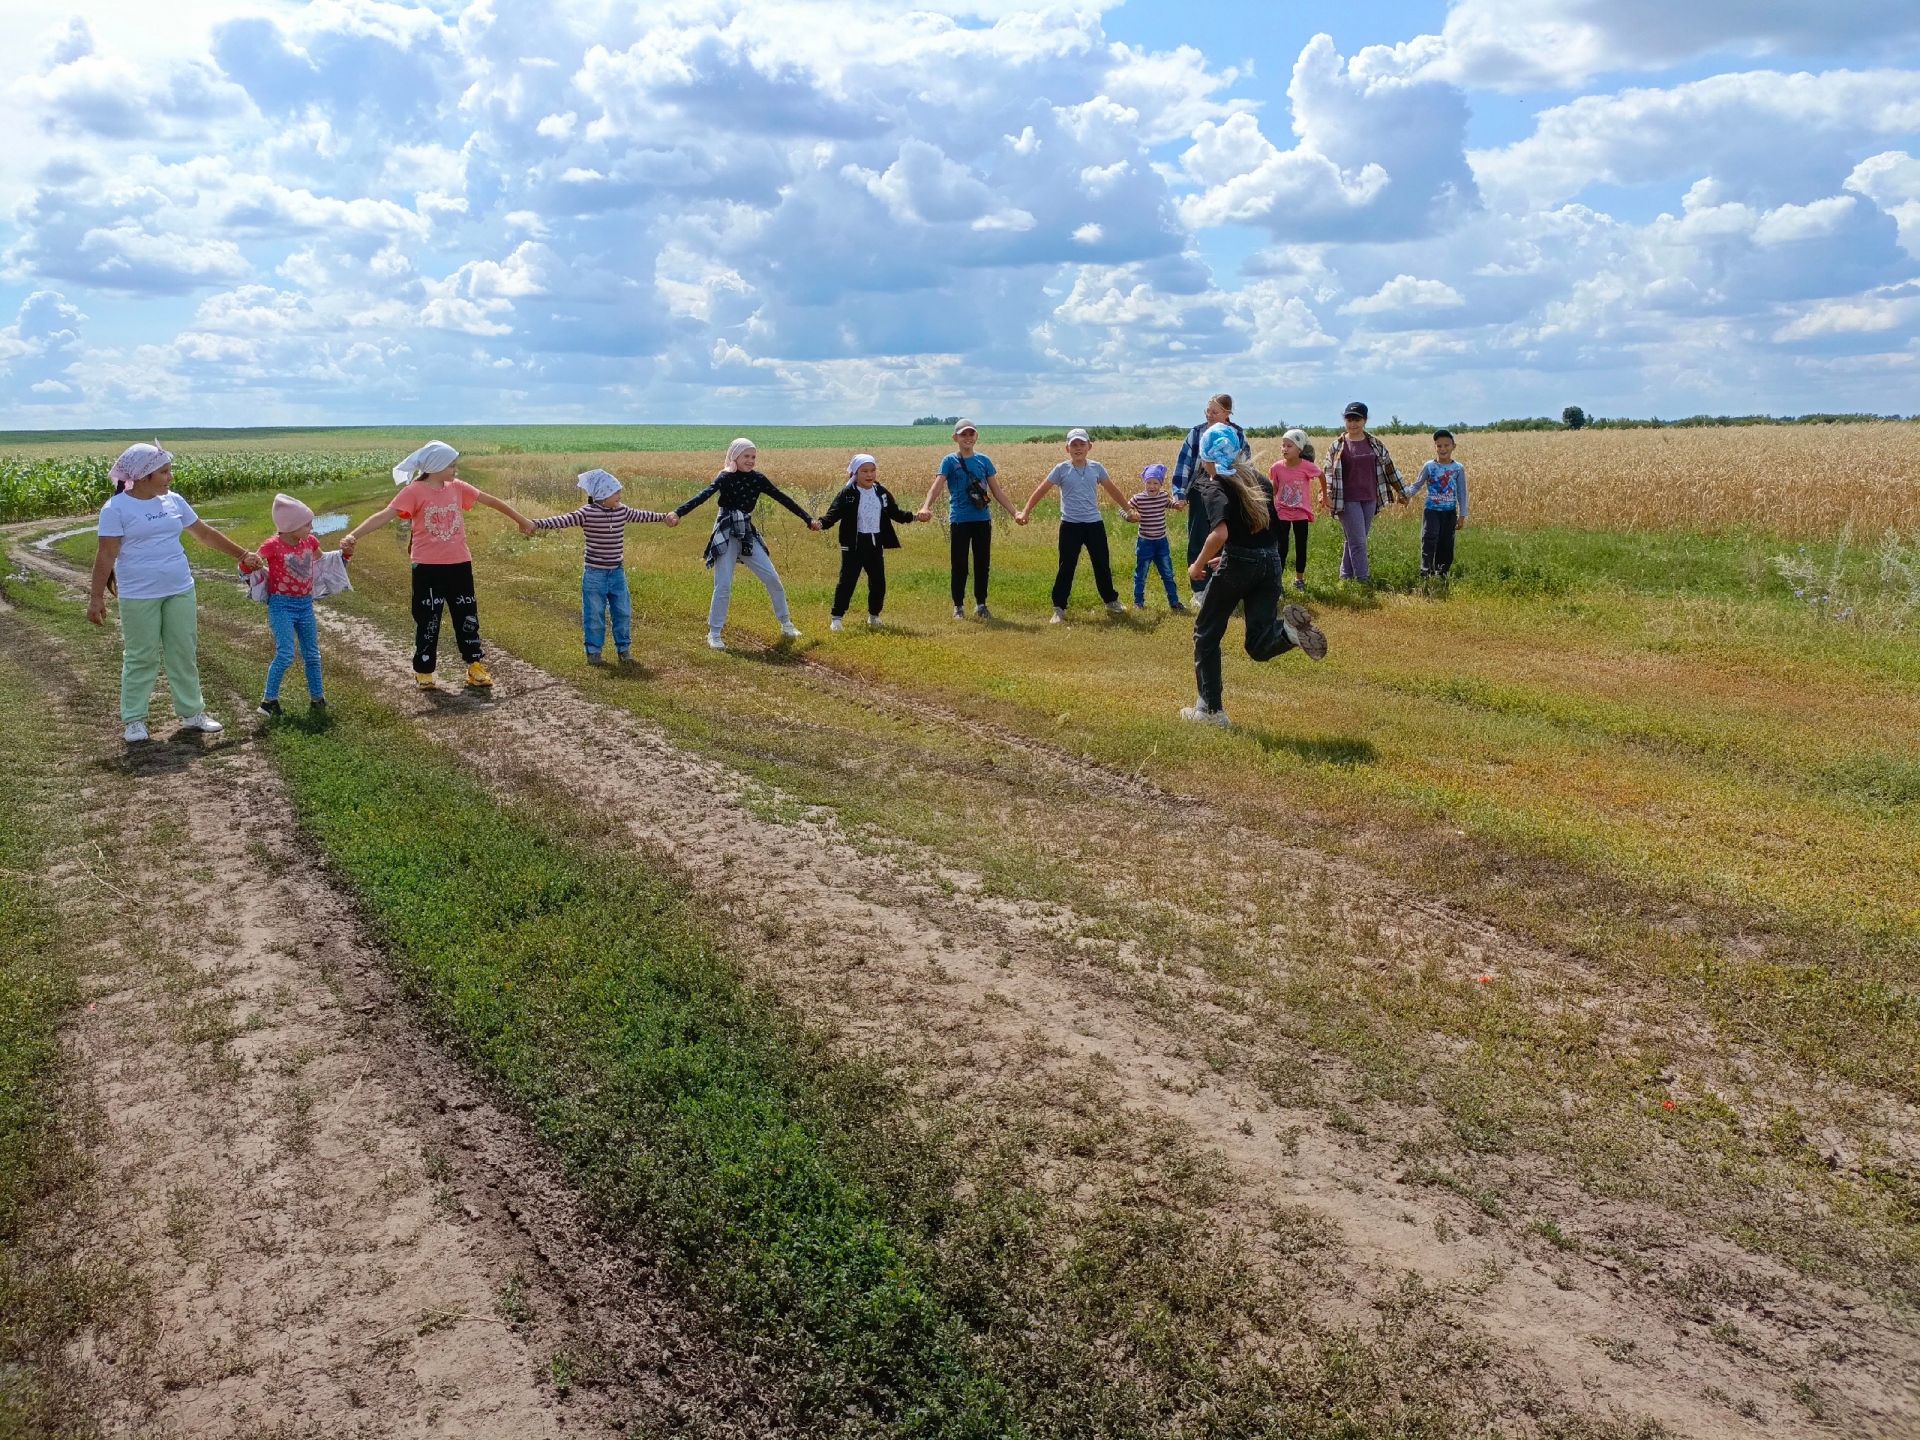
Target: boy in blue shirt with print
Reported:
[(1445, 481)]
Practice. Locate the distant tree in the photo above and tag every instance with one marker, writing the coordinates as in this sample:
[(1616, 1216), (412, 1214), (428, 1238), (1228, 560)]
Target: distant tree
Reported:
[(1574, 418)]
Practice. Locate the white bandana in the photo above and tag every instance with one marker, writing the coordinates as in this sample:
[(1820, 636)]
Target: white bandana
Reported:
[(431, 457), (599, 484)]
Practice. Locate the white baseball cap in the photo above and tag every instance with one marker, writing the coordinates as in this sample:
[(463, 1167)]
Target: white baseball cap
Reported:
[(1073, 435)]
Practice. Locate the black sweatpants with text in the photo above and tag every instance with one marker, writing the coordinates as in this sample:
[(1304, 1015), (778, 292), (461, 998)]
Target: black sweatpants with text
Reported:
[(452, 586)]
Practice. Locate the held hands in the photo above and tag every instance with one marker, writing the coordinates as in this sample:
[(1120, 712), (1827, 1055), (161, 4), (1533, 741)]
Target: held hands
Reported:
[(923, 516), (813, 524), (672, 519), (1019, 517), (526, 526), (347, 543)]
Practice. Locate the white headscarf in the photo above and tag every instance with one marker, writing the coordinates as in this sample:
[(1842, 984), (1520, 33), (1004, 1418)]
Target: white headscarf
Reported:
[(737, 449), (599, 484), (1298, 437), (431, 457), (853, 465), (136, 463)]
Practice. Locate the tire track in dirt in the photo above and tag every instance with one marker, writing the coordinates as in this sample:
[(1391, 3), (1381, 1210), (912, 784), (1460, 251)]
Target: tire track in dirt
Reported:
[(325, 1214), (998, 1006), (987, 999)]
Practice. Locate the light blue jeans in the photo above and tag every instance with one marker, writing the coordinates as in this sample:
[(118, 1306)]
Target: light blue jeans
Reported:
[(760, 565), (291, 618), (604, 596)]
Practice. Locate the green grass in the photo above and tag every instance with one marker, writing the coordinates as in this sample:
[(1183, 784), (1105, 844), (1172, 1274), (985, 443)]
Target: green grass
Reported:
[(44, 1298)]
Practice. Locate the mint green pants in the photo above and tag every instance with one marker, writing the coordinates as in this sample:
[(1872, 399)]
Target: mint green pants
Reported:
[(153, 632)]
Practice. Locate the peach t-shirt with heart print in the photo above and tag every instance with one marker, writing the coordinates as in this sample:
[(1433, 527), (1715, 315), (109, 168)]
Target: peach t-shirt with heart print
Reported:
[(438, 516)]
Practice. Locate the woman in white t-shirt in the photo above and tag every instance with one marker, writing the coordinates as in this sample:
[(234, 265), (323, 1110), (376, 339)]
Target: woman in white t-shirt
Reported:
[(140, 529)]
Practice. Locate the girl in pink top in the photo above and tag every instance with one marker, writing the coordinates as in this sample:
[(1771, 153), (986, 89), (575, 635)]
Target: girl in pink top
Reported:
[(435, 502), (1296, 485)]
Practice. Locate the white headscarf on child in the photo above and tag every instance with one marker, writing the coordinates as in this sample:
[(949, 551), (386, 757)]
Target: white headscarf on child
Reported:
[(853, 466), (136, 463), (599, 484), (1298, 437), (434, 456), (737, 449)]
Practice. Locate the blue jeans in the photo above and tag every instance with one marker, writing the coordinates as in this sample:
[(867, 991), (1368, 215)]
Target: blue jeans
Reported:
[(603, 594), (291, 617), (1158, 554)]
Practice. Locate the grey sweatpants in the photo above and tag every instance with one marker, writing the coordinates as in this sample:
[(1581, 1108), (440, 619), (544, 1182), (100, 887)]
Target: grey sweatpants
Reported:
[(760, 565), (1356, 520)]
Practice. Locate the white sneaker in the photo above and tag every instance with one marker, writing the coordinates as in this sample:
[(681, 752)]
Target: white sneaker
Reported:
[(1059, 617), (873, 622), (1114, 607), (980, 612), (1303, 632), (202, 722), (135, 733), (834, 623), (958, 613), (1201, 715), (1199, 599), (789, 630), (714, 642)]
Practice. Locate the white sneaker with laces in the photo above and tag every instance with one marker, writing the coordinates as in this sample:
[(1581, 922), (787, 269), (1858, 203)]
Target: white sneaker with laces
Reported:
[(714, 642), (980, 612), (789, 630), (873, 622), (1200, 715), (1303, 632), (1059, 617), (135, 733), (958, 613), (202, 722), (834, 623)]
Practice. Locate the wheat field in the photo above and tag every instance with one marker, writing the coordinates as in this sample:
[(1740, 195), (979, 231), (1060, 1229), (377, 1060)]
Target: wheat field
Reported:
[(1801, 482)]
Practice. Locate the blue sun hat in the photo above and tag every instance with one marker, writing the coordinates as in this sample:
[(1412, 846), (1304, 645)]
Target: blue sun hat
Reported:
[(1223, 446)]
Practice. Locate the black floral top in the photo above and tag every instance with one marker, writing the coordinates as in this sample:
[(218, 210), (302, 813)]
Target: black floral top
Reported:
[(741, 490)]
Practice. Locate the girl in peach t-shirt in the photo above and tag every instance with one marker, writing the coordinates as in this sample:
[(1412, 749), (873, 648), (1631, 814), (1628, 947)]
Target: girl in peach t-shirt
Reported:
[(435, 501), (1293, 481)]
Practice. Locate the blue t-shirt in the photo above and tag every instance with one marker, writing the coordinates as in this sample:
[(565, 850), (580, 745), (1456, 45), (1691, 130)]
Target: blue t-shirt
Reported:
[(956, 473), (1446, 485), (1079, 490)]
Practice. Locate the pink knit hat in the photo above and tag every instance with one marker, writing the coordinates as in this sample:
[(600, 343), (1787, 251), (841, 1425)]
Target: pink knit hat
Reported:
[(290, 514)]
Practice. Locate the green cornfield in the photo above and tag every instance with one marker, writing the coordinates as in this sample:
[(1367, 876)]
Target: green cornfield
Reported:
[(31, 488)]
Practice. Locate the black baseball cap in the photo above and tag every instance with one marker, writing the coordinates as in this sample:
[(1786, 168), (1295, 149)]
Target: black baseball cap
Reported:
[(1356, 407)]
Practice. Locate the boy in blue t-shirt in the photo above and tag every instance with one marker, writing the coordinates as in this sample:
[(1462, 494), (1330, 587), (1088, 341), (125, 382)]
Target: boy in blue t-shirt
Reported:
[(1445, 481), (971, 486)]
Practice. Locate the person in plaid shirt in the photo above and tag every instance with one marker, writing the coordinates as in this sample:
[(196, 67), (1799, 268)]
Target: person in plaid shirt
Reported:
[(1186, 471), (1359, 475)]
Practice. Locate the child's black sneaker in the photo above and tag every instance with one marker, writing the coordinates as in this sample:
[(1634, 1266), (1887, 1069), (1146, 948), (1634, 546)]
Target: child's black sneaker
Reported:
[(270, 709), (317, 705)]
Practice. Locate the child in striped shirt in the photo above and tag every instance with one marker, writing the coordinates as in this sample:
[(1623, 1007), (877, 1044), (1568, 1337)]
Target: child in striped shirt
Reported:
[(603, 579), (1150, 507)]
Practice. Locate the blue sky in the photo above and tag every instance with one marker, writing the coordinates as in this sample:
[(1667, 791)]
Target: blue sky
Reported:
[(351, 211)]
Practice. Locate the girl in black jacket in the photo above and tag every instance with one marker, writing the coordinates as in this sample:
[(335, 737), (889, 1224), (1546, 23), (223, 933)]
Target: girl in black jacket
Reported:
[(866, 514)]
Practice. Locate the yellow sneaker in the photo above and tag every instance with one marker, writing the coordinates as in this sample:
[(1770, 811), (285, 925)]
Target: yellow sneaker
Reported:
[(424, 679), (478, 676)]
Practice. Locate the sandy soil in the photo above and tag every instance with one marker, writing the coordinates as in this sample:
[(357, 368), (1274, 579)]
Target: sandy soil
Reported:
[(996, 1006), (331, 1226)]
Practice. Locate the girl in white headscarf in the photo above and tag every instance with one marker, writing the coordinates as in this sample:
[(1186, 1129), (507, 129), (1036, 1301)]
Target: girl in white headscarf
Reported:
[(434, 501), (735, 541), (866, 513), (140, 552), (604, 595)]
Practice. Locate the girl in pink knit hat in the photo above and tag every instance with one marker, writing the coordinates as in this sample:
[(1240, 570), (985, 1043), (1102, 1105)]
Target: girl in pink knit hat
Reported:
[(291, 559)]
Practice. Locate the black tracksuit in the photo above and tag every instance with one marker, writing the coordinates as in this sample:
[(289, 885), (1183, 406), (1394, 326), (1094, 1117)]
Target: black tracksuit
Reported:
[(863, 553)]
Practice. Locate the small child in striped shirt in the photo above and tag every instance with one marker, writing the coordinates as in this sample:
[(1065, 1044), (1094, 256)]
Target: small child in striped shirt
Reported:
[(1150, 508), (603, 579)]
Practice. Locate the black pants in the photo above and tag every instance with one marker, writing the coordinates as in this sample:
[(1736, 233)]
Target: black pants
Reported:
[(969, 538), (1252, 575), (1091, 536), (1197, 531), (451, 585), (1436, 542), (1300, 529), (865, 554)]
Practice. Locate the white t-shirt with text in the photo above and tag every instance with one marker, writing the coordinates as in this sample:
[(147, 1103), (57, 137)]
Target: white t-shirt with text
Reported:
[(152, 563)]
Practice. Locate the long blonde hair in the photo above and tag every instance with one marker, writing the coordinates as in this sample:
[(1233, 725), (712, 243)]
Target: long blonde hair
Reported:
[(1245, 495)]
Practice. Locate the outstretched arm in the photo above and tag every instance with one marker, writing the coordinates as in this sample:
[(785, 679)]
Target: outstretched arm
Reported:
[(365, 527), (1040, 493), (697, 501), (1112, 489), (767, 487), (562, 522), (933, 494), (207, 535), (494, 502)]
